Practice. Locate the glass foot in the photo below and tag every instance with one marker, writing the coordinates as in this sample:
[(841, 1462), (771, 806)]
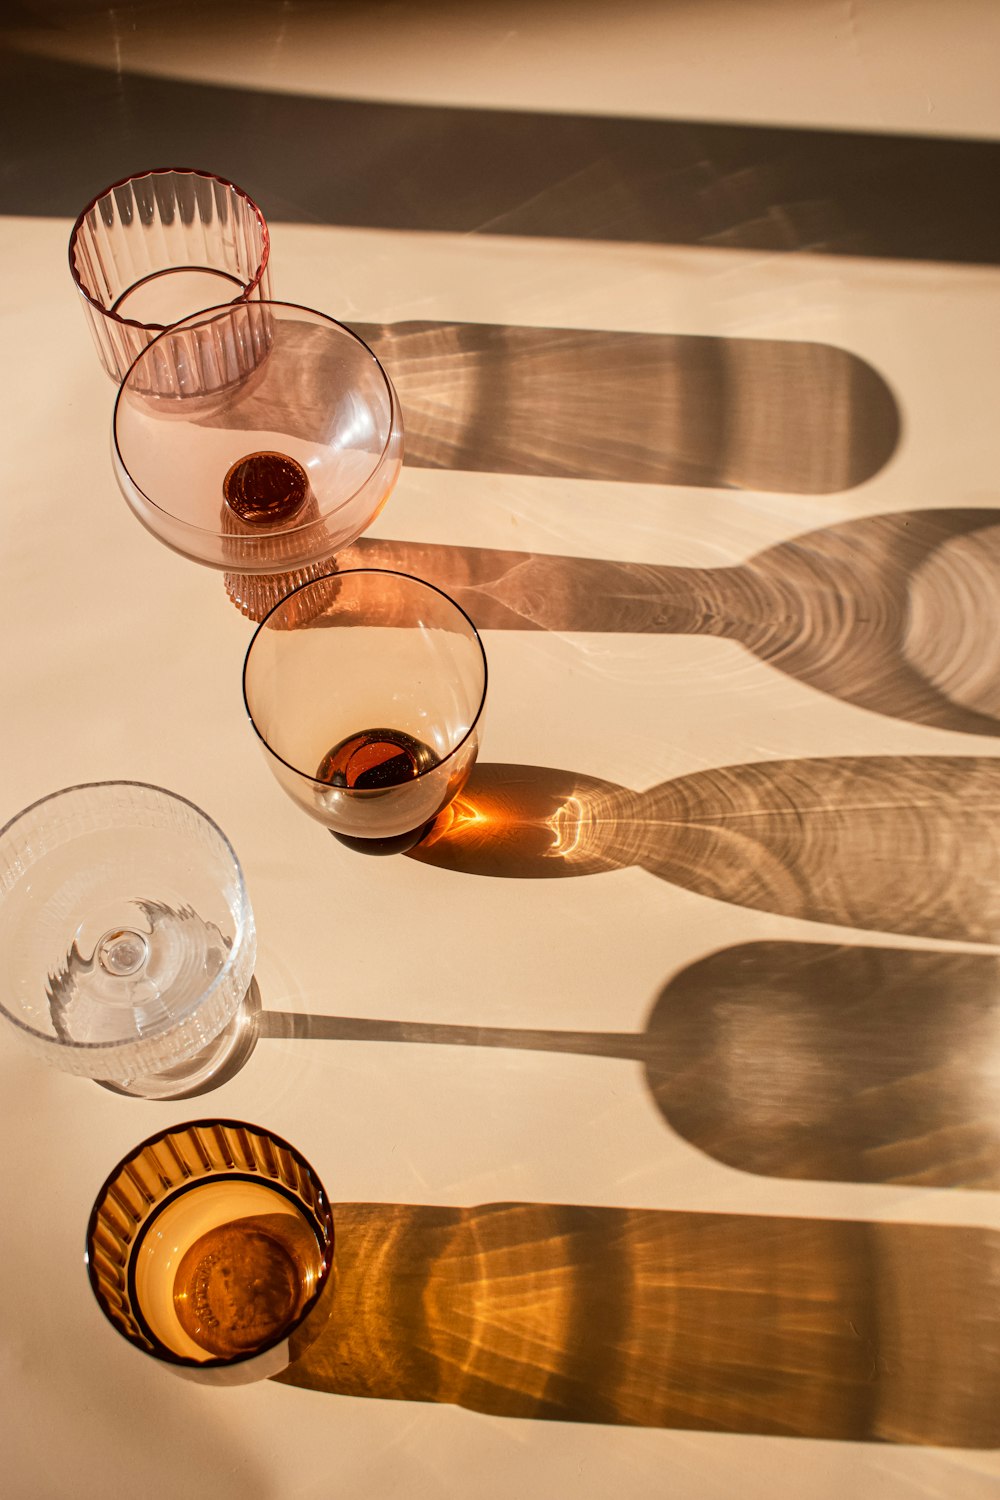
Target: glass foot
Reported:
[(208, 1069), (255, 595), (398, 844)]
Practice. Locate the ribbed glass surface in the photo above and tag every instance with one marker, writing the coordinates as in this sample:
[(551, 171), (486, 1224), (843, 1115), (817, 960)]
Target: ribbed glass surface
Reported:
[(171, 1171), (160, 246), (126, 930), (254, 594)]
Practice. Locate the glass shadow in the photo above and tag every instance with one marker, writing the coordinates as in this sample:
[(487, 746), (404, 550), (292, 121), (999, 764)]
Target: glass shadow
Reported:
[(762, 414), (520, 172), (798, 1060), (892, 613), (904, 844), (713, 1322)]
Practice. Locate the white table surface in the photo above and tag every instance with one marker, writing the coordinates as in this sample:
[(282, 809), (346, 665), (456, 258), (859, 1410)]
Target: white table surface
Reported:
[(122, 660)]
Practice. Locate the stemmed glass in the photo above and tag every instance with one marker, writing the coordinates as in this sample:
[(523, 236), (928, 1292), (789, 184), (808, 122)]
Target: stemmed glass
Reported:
[(366, 689), (259, 438), (128, 939)]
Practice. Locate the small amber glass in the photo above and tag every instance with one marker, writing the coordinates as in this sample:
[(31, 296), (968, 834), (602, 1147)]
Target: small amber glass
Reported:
[(210, 1247), (366, 689)]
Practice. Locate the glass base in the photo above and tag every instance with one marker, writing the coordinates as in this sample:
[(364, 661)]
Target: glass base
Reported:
[(256, 594), (398, 844), (208, 1069)]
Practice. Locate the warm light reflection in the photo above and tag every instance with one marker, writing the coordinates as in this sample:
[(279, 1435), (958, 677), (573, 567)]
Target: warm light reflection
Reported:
[(892, 843), (714, 1322), (460, 819), (517, 820), (568, 823)]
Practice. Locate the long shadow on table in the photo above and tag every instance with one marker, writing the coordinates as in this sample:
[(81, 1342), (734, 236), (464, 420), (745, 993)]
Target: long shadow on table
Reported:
[(761, 414), (799, 1060), (765, 414), (518, 172), (893, 613), (904, 844), (849, 1331)]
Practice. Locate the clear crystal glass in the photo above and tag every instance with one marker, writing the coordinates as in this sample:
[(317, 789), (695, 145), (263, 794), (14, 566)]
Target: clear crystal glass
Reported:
[(210, 1248), (158, 246), (366, 689), (259, 439), (126, 935)]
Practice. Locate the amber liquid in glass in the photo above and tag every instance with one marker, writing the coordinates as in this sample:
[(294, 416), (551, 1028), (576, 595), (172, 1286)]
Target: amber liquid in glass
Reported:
[(375, 760), (266, 489), (227, 1270)]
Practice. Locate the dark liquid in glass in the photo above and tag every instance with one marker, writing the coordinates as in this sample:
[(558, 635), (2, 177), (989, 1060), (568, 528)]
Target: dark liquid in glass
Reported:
[(375, 760), (266, 488)]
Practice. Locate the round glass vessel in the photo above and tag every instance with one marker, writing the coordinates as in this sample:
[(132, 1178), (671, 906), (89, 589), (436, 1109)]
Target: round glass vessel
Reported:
[(127, 938), (260, 439), (366, 689), (210, 1248), (159, 246)]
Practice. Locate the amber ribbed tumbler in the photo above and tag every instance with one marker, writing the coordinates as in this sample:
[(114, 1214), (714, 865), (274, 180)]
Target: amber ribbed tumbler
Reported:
[(210, 1247)]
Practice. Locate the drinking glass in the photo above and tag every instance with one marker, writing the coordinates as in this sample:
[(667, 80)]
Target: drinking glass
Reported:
[(210, 1247), (366, 689), (127, 939), (158, 246), (261, 439)]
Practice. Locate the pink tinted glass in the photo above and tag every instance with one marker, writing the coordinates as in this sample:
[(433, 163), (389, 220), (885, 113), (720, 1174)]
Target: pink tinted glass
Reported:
[(159, 246)]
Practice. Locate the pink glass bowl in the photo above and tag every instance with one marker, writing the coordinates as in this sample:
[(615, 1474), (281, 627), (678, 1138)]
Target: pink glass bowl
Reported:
[(267, 378)]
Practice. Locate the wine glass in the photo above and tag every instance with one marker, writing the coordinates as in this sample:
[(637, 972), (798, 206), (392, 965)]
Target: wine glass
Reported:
[(210, 1247), (259, 438), (366, 689), (158, 246), (128, 939)]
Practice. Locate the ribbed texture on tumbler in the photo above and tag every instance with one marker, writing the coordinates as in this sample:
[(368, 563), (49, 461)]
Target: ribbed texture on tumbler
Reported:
[(163, 220), (179, 1158), (207, 359)]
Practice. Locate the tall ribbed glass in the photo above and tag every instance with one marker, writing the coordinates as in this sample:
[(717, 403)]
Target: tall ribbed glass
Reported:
[(158, 247)]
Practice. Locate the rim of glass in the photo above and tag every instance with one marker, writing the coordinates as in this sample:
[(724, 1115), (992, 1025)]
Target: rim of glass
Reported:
[(347, 573), (245, 912), (116, 317), (214, 1362), (215, 314)]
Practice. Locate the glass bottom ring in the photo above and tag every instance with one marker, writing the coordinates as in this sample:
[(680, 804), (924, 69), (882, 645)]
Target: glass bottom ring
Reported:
[(208, 1069)]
